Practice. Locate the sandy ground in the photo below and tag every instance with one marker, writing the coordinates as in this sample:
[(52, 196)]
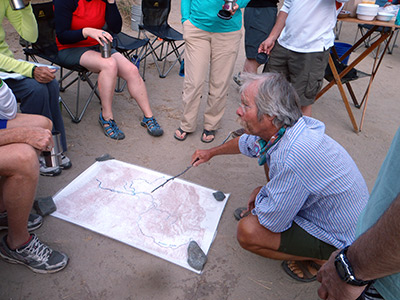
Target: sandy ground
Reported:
[(101, 268)]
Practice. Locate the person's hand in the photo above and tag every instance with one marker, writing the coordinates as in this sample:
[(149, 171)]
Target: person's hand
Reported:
[(200, 156), (39, 138), (234, 9), (252, 199), (332, 287), (266, 46), (44, 74), (97, 34)]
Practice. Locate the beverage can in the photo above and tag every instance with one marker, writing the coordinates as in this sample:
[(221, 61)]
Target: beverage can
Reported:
[(17, 4), (105, 49)]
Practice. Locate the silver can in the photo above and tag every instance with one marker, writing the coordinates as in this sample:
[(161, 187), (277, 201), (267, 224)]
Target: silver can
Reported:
[(105, 49), (17, 4)]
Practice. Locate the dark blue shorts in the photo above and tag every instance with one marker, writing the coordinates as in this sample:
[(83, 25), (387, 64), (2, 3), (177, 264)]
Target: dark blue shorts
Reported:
[(3, 124), (72, 56)]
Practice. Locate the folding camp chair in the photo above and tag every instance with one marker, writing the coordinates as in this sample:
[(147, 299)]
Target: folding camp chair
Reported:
[(45, 47), (155, 21), (363, 29), (129, 47)]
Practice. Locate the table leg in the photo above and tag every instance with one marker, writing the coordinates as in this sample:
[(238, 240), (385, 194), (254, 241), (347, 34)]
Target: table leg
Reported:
[(337, 80)]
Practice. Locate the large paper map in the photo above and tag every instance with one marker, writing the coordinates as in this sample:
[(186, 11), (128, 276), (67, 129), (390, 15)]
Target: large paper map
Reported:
[(114, 198)]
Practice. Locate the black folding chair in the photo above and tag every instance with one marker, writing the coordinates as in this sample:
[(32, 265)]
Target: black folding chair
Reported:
[(363, 29), (155, 21), (45, 47), (134, 50)]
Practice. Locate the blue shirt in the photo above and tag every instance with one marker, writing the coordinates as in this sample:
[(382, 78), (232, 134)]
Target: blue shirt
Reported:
[(386, 189), (313, 182), (203, 15)]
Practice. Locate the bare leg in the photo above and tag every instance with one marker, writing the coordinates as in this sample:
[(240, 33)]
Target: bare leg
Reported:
[(137, 89), (255, 238), (107, 69), (250, 65), (19, 168), (30, 121)]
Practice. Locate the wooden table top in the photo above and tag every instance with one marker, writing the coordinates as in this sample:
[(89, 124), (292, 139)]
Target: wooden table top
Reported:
[(374, 22)]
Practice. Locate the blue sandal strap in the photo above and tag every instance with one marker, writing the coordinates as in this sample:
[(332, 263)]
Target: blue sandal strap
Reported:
[(111, 129)]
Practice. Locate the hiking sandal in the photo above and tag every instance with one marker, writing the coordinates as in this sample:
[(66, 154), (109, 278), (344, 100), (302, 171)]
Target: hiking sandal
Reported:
[(153, 128), (111, 129)]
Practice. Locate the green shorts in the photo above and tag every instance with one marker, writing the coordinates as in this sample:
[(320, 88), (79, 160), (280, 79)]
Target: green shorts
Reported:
[(305, 71), (297, 241)]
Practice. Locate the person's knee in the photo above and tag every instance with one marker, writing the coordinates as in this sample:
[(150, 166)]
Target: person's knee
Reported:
[(245, 233), (25, 160), (110, 66)]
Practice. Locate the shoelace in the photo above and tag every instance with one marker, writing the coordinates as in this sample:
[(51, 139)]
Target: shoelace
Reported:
[(38, 249)]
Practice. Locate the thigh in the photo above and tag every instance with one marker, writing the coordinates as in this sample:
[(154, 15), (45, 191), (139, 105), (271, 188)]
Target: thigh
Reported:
[(224, 51), (307, 73), (29, 120), (258, 23), (72, 56), (197, 53), (24, 88), (297, 241), (278, 61)]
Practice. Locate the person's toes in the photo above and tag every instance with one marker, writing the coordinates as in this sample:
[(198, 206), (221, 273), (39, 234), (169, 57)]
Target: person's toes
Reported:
[(179, 135), (208, 137)]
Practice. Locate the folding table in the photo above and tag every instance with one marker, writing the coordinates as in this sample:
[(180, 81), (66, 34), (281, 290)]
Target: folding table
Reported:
[(339, 80)]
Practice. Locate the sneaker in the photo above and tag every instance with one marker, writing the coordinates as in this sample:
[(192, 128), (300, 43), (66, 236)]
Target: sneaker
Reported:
[(153, 128), (48, 171), (35, 255), (65, 162), (34, 221), (237, 80)]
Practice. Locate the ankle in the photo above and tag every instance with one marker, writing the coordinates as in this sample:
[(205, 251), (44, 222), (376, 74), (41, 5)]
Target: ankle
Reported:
[(18, 243)]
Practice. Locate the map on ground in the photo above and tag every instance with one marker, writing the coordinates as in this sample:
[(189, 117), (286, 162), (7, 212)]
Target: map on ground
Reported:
[(114, 198)]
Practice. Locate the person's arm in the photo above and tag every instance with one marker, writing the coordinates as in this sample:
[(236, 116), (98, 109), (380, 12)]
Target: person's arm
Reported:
[(12, 65), (185, 10), (113, 17), (39, 138), (24, 22), (267, 45), (202, 156), (63, 10), (373, 255)]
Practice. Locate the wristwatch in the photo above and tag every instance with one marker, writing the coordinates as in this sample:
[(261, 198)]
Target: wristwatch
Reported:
[(345, 271)]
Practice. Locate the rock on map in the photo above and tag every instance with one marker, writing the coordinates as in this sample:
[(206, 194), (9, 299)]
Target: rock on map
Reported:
[(113, 198)]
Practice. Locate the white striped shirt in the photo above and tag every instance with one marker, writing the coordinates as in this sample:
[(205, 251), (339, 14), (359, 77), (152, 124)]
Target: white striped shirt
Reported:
[(313, 182)]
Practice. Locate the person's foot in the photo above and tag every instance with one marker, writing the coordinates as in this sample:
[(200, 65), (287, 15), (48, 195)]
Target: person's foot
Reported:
[(65, 162), (304, 271), (110, 128), (207, 136), (153, 128), (35, 255), (48, 171), (34, 221), (180, 135)]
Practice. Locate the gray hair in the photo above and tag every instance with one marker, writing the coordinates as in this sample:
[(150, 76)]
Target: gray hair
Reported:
[(275, 97)]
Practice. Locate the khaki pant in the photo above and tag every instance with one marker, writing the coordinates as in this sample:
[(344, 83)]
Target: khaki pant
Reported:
[(207, 51)]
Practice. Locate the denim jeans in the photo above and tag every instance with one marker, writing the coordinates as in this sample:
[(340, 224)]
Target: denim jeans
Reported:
[(40, 99)]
